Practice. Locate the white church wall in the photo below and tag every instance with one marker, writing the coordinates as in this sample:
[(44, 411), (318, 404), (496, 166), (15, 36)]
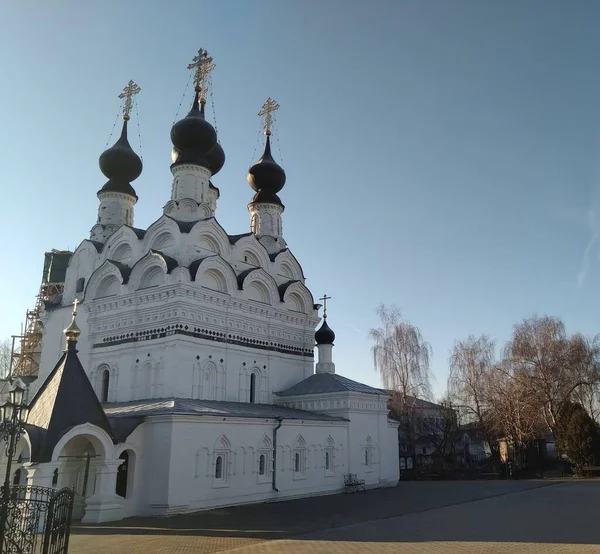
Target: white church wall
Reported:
[(368, 430), (195, 482)]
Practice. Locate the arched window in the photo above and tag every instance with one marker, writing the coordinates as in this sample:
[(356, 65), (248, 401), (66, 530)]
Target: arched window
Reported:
[(261, 465), (79, 285), (105, 383), (327, 461), (219, 468), (55, 478), (366, 456), (252, 388), (122, 474), (297, 462)]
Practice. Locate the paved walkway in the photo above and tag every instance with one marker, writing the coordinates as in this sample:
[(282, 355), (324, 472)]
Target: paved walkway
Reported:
[(433, 517)]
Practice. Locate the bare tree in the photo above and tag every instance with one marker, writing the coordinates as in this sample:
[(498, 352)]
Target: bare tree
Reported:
[(472, 364), (401, 355), (550, 366), (5, 354), (514, 412), (440, 430)]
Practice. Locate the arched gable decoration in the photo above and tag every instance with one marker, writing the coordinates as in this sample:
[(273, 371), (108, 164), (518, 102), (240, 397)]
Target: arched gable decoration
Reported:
[(122, 244), (297, 297), (86, 248), (222, 443), (107, 280), (265, 443), (159, 232), (151, 270), (251, 244), (257, 284), (214, 273), (209, 234), (299, 442), (286, 263)]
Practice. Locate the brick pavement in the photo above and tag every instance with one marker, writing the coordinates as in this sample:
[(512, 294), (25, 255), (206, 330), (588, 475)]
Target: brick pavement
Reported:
[(434, 517)]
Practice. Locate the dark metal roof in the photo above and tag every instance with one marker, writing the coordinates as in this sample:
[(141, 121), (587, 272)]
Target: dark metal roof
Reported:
[(322, 383), (171, 263), (66, 399), (234, 238), (284, 287), (123, 269), (186, 406), (139, 232)]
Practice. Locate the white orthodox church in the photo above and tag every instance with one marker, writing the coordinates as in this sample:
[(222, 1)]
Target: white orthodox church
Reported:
[(189, 380)]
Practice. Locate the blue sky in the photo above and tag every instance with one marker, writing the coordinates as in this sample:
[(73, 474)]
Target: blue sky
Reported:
[(442, 156)]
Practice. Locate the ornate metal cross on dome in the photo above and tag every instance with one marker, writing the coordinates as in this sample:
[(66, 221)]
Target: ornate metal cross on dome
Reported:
[(268, 108), (325, 298), (128, 93), (202, 66)]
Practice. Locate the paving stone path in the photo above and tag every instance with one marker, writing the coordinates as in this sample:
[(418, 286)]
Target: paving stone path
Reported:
[(434, 517)]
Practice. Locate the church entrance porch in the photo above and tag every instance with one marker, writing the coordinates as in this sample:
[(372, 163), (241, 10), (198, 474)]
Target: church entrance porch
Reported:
[(84, 460)]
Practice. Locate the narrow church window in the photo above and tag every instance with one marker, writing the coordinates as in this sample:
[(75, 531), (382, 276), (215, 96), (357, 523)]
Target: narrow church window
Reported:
[(297, 462), (219, 468), (366, 456), (261, 465), (122, 471), (252, 388), (327, 461), (105, 383), (55, 478), (79, 286)]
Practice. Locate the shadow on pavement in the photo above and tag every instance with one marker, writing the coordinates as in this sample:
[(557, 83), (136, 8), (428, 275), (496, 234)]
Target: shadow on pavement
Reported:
[(323, 516)]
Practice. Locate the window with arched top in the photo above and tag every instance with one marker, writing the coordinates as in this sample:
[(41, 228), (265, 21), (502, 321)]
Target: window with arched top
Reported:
[(219, 467), (105, 385), (297, 462), (252, 388), (261, 465), (327, 461)]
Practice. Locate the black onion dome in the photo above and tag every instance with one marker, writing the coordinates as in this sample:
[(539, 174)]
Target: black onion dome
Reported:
[(266, 174), (193, 137), (324, 334), (266, 197), (215, 159), (121, 165)]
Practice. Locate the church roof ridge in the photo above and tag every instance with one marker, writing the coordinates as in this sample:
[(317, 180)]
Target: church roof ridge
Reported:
[(323, 383), (221, 408)]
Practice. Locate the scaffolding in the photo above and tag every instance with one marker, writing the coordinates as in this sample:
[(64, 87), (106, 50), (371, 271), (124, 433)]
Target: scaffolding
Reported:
[(27, 347)]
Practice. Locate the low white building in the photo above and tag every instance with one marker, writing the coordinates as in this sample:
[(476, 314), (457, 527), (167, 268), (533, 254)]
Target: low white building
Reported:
[(193, 383)]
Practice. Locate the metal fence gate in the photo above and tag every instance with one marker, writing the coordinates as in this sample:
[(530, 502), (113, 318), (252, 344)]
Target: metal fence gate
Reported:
[(35, 520)]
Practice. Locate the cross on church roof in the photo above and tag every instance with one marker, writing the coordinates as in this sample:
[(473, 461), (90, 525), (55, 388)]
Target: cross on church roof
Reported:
[(268, 108), (325, 298), (202, 66), (128, 92)]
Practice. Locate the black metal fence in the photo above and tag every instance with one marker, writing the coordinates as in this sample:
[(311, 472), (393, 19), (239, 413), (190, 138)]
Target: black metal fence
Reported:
[(35, 520)]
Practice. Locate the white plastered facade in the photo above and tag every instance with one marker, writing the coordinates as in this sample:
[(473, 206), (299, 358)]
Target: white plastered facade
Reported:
[(183, 310)]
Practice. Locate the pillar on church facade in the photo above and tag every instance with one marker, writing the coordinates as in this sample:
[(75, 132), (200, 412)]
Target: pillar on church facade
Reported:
[(105, 504)]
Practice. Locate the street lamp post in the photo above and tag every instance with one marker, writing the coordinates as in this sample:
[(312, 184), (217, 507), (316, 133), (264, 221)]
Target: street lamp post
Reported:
[(13, 415)]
